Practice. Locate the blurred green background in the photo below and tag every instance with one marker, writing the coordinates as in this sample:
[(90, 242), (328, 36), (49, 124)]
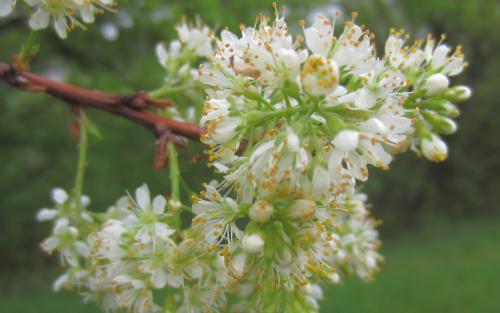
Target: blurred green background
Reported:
[(441, 221)]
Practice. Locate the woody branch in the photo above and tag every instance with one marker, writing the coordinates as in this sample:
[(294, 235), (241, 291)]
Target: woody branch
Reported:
[(134, 107)]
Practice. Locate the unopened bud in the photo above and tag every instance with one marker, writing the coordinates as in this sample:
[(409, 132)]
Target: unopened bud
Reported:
[(253, 244), (46, 215), (434, 148), (283, 256), (237, 265), (346, 140), (440, 124), (460, 93), (261, 211), (443, 107), (436, 84), (302, 209)]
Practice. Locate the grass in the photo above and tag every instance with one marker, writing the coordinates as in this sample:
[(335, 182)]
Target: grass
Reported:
[(450, 268)]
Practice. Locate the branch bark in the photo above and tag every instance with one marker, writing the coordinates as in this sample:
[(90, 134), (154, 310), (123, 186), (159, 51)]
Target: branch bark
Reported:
[(134, 107)]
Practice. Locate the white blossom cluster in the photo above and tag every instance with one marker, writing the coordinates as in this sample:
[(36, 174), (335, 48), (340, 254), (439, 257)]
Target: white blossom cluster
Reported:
[(292, 125), (180, 59), (122, 256), (65, 15)]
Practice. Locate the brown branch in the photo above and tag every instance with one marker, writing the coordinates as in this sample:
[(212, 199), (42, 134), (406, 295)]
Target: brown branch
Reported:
[(134, 107)]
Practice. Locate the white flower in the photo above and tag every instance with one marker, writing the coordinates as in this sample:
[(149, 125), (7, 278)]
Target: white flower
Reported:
[(168, 54), (134, 295), (148, 217), (439, 60), (319, 37), (221, 127), (106, 243), (65, 240), (216, 216), (353, 50), (197, 39), (64, 14), (434, 148), (7, 6), (320, 76)]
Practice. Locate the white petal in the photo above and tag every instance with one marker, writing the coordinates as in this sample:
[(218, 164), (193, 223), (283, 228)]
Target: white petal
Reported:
[(60, 282), (59, 196), (87, 13), (6, 7), (46, 215), (159, 278), (159, 204), (163, 231), (161, 54), (321, 181), (85, 201), (346, 140), (142, 197), (50, 244), (143, 235), (61, 27), (175, 280)]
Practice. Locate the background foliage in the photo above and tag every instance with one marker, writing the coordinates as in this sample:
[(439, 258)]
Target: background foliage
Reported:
[(38, 153)]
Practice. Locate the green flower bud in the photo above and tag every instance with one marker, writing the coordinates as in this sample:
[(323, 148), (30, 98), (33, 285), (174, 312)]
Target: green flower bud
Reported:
[(440, 124), (443, 107), (459, 93), (302, 209)]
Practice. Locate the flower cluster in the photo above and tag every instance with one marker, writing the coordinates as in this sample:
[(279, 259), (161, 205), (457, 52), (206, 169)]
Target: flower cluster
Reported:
[(293, 126), (180, 59), (65, 15), (122, 256)]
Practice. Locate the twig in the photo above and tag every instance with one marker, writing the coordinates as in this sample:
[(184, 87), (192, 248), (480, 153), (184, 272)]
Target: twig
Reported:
[(134, 107)]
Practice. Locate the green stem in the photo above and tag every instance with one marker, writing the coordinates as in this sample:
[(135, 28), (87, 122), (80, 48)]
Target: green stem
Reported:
[(82, 162), (169, 90), (29, 48), (174, 181)]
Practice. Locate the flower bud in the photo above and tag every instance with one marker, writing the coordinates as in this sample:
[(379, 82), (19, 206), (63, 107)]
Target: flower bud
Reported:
[(440, 124), (46, 215), (320, 76), (460, 93), (253, 244), (434, 148), (237, 265), (283, 256), (346, 140), (261, 211), (334, 278), (313, 290), (435, 84), (302, 209), (443, 107)]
